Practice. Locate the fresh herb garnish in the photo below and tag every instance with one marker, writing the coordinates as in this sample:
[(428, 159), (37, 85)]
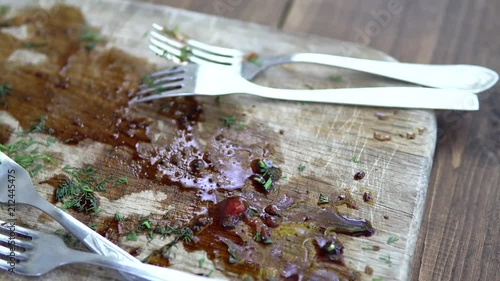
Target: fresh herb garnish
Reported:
[(185, 51), (392, 239), (355, 159), (301, 168), (90, 38), (120, 181), (30, 45), (254, 58), (148, 81), (240, 126), (4, 9), (5, 90), (201, 262), (25, 153), (118, 217), (77, 191), (228, 121), (257, 237), (377, 279), (335, 78), (218, 99), (386, 259), (323, 199), (309, 86), (92, 225), (39, 127), (367, 248), (132, 236)]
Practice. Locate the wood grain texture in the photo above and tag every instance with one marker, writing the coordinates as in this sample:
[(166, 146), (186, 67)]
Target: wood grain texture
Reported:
[(258, 11), (325, 137), (460, 235)]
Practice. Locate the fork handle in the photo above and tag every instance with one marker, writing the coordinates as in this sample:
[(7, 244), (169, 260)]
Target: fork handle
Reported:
[(86, 235), (142, 270), (464, 77), (401, 97)]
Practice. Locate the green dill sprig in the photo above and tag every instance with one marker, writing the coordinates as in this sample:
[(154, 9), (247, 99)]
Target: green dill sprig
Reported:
[(4, 9), (132, 236), (301, 168), (355, 159), (228, 121), (323, 199), (77, 191), (118, 217), (392, 239), (5, 90), (386, 259), (89, 38), (121, 181), (25, 153)]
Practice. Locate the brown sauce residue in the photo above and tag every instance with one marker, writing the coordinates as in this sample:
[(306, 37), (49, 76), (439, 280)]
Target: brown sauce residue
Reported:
[(84, 90)]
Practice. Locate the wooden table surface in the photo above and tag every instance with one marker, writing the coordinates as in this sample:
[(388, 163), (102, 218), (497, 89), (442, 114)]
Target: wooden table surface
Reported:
[(460, 237)]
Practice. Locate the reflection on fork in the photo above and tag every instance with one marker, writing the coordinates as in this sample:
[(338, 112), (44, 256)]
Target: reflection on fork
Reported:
[(173, 46)]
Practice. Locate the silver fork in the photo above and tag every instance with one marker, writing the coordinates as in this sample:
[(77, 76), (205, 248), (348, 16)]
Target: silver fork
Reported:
[(16, 188), (177, 48), (211, 80), (34, 253)]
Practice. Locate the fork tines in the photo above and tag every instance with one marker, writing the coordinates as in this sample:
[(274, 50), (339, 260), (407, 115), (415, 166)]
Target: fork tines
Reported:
[(190, 50), (170, 82)]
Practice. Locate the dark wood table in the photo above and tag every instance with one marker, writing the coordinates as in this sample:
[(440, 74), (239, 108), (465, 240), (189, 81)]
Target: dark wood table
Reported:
[(460, 235)]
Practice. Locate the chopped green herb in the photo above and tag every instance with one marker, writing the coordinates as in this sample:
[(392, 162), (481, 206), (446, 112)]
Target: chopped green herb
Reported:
[(240, 126), (93, 225), (228, 121), (77, 191), (386, 259), (185, 51), (5, 90), (355, 159), (257, 237), (335, 78), (309, 86), (377, 279), (218, 99), (132, 236), (232, 255), (118, 217), (201, 262), (4, 9), (268, 184), (25, 153), (254, 58), (122, 180), (367, 248), (30, 45), (392, 239), (301, 168), (39, 127), (148, 81), (323, 199), (90, 38)]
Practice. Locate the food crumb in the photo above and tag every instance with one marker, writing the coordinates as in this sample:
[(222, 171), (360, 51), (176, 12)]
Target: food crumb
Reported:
[(376, 248), (378, 136), (367, 196), (386, 217), (381, 116), (368, 270), (359, 175), (408, 135), (282, 132)]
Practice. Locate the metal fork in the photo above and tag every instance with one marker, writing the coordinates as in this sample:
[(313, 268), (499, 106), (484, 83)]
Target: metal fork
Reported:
[(16, 187), (34, 253), (215, 80), (177, 48)]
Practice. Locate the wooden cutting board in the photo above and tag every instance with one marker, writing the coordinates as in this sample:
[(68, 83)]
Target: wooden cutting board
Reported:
[(332, 143)]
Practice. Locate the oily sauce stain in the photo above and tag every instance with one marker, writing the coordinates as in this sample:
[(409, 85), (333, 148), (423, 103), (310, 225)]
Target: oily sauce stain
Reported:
[(84, 90)]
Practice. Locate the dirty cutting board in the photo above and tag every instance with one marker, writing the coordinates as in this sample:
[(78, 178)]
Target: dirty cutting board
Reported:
[(323, 138)]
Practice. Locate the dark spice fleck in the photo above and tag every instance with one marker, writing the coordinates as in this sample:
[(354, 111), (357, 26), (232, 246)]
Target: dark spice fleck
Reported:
[(368, 270), (386, 217), (359, 175), (367, 196), (376, 248)]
